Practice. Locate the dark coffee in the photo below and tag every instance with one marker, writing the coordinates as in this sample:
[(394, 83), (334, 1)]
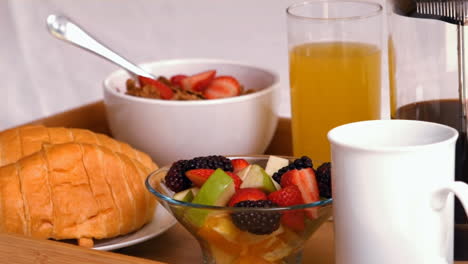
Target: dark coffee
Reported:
[(446, 112)]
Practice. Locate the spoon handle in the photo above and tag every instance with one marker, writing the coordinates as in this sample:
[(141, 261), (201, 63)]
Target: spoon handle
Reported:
[(62, 28)]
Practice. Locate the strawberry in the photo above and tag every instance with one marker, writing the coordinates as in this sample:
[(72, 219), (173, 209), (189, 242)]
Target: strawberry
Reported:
[(239, 164), (290, 195), (251, 194), (177, 79), (164, 90), (294, 220), (287, 177), (305, 180), (198, 82), (221, 87), (199, 176), (236, 178)]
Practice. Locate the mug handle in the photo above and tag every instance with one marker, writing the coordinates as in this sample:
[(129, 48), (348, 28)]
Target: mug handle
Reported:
[(439, 197)]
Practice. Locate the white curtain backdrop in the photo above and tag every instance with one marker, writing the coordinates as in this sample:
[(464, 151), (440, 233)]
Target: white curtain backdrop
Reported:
[(41, 75)]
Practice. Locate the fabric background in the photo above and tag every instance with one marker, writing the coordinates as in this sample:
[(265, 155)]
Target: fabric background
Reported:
[(41, 75)]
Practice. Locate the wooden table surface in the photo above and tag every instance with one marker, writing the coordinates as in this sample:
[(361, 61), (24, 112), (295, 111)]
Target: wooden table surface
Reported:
[(177, 246)]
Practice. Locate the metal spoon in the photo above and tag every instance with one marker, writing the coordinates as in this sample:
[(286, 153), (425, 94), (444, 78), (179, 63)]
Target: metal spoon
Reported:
[(62, 28)]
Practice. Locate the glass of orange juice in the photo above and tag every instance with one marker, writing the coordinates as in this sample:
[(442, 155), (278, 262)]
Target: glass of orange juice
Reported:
[(334, 69)]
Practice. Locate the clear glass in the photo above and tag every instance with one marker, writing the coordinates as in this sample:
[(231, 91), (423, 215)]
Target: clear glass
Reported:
[(423, 83), (222, 242), (422, 69), (334, 68)]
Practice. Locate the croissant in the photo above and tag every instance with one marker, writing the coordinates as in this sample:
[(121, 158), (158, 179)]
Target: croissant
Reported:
[(23, 141), (62, 183), (74, 191)]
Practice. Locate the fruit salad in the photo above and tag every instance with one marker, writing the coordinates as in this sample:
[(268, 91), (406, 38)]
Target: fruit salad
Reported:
[(259, 218), (203, 85)]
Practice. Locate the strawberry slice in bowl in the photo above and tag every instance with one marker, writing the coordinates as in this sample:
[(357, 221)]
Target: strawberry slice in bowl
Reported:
[(306, 181), (199, 176), (164, 90), (287, 196), (247, 194), (177, 79), (197, 82), (222, 87), (239, 164)]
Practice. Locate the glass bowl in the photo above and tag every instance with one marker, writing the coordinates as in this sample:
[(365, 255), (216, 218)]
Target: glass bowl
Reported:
[(222, 242)]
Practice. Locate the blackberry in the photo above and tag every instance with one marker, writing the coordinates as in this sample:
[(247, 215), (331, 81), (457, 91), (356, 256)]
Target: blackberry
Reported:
[(302, 163), (175, 178), (209, 162), (323, 175), (259, 223), (177, 181)]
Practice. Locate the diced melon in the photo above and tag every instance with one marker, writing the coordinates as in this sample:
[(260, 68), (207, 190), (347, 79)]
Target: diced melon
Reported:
[(274, 164)]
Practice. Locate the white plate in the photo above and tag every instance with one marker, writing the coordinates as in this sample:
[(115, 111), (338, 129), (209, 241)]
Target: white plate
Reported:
[(162, 221)]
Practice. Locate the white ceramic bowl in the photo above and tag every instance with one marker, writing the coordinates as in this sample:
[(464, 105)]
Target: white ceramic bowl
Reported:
[(174, 130)]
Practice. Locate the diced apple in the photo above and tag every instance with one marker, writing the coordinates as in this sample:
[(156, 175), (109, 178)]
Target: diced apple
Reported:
[(183, 196), (244, 172), (217, 190), (257, 178), (186, 195)]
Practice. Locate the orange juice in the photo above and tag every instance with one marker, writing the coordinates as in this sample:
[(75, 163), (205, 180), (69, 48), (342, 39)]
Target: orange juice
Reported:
[(332, 83), (392, 76)]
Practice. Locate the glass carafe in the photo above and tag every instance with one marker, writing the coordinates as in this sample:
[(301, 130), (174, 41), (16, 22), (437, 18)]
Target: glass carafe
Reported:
[(423, 72)]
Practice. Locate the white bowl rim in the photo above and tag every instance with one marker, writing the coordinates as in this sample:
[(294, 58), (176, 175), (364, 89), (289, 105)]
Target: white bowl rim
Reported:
[(246, 97)]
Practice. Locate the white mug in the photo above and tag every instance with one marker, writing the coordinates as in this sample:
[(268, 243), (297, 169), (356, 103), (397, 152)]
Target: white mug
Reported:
[(393, 185)]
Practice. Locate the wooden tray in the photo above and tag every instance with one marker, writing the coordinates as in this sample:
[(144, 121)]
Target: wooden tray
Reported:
[(174, 246)]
